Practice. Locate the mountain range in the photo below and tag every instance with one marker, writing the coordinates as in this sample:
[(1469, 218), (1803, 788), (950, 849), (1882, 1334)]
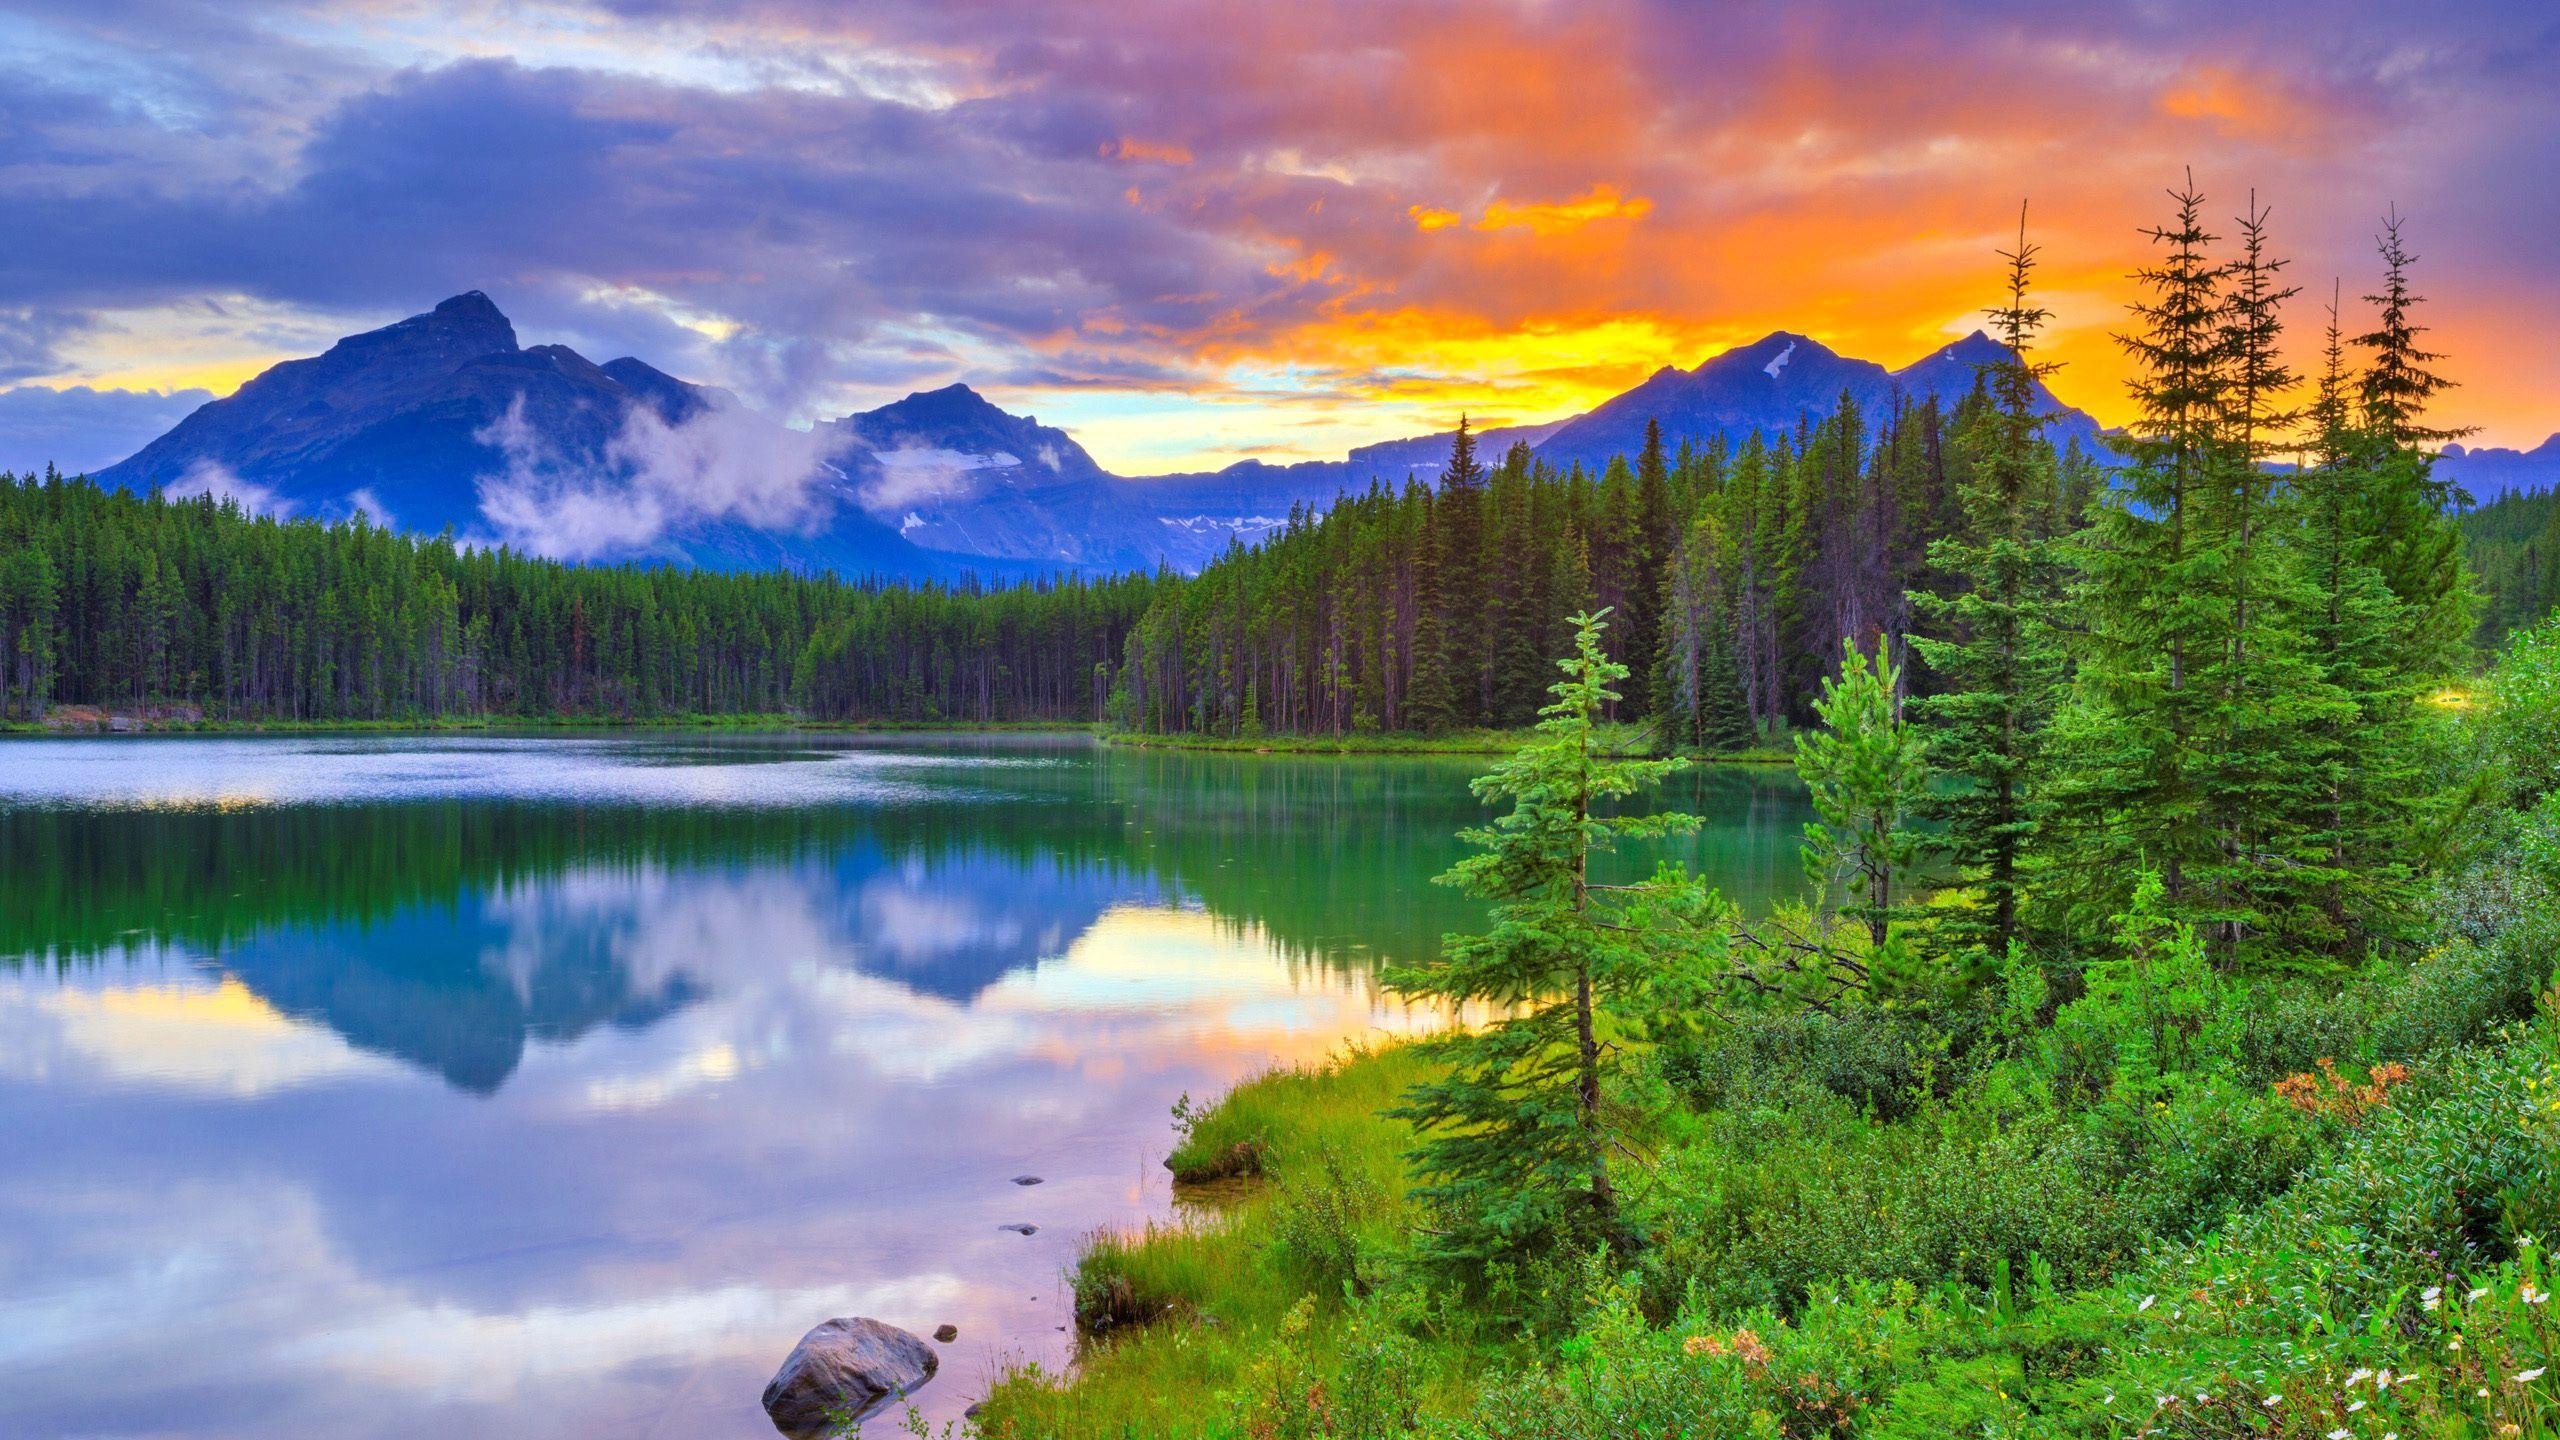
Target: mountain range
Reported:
[(2488, 472), (444, 421)]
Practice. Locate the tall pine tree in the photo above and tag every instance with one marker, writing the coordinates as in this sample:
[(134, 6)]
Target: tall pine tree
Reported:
[(1988, 644)]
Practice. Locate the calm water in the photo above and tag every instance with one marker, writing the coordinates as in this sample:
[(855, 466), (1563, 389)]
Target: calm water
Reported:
[(536, 1087)]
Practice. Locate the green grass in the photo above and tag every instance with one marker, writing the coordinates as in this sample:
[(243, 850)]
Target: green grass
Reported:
[(1192, 1305)]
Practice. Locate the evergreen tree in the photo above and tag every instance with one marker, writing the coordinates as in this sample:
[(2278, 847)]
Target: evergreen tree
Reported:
[(1459, 511), (2366, 755), (1515, 1147), (1650, 543), (2264, 698), (1430, 697), (2144, 602), (1864, 772), (1988, 646), (2409, 535)]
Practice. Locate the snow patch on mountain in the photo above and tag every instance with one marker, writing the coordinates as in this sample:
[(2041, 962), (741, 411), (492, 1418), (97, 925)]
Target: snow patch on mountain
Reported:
[(915, 473), (1773, 367), (1241, 524)]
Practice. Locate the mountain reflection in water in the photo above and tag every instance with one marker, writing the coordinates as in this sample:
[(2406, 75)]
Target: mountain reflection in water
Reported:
[(522, 1087)]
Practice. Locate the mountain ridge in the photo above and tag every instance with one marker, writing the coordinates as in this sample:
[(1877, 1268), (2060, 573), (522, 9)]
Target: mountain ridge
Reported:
[(445, 421)]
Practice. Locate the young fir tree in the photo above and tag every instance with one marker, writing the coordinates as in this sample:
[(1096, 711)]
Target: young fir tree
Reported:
[(1864, 770), (2409, 533), (2144, 609), (2367, 773), (1515, 1148), (1988, 644)]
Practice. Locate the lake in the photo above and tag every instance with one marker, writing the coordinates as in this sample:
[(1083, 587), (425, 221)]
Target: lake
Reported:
[(527, 1087)]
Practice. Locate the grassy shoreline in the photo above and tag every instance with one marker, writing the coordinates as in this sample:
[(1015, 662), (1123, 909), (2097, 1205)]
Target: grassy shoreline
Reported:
[(1173, 1314), (1260, 1315)]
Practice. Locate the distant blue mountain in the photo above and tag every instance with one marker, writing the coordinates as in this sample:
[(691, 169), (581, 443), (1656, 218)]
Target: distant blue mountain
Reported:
[(1768, 386), (444, 422), (410, 421), (2489, 472)]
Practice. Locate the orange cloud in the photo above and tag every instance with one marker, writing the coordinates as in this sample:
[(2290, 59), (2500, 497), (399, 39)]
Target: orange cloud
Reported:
[(1603, 203)]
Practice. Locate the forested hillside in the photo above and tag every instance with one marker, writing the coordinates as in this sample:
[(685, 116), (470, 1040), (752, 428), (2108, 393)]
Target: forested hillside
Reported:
[(112, 599), (1734, 575), (2514, 545)]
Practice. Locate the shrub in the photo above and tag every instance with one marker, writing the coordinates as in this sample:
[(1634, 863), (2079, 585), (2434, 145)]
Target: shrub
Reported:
[(1322, 1217), (1878, 1061)]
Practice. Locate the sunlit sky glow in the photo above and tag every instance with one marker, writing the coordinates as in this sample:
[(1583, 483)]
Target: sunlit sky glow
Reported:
[(1190, 232)]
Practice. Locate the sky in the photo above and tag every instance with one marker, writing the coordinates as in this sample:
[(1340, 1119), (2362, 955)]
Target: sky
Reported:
[(1191, 232)]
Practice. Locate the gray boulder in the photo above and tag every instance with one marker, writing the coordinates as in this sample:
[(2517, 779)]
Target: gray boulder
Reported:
[(841, 1372)]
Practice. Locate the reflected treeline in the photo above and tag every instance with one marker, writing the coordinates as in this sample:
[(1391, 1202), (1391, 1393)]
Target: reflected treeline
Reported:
[(450, 933)]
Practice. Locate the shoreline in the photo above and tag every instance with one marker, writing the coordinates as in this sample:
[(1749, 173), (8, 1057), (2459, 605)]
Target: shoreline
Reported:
[(1462, 742), (758, 724)]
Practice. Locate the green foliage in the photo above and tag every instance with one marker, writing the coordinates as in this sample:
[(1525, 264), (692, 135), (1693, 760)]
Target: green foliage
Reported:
[(1361, 1382), (2513, 545), (1989, 644), (2155, 1011), (1320, 1223), (1866, 775), (2521, 723), (1516, 1148)]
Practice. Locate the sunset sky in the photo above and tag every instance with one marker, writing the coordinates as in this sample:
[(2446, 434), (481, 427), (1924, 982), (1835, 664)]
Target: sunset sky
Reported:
[(1193, 232)]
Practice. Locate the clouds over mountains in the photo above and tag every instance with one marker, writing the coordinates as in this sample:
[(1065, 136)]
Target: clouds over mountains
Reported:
[(1181, 225)]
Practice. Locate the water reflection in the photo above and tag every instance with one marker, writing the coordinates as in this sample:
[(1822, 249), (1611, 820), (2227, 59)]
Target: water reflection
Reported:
[(428, 1108)]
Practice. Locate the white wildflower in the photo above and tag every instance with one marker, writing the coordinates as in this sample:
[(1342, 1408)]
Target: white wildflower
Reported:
[(2527, 1377)]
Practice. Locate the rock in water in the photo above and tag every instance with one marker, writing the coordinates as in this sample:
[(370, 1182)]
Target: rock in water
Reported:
[(946, 1333), (1026, 1179), (842, 1371)]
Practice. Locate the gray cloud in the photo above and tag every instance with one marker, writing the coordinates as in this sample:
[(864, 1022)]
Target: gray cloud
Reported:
[(80, 429)]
